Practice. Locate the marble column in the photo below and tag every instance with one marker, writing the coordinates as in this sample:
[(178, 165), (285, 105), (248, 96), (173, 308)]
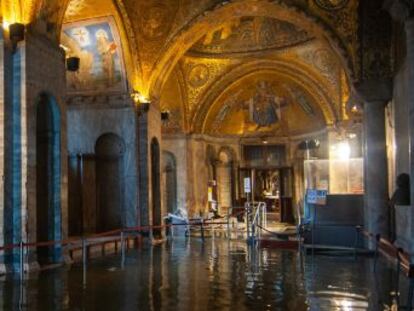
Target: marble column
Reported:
[(148, 129), (409, 29), (375, 168), (403, 12), (142, 167)]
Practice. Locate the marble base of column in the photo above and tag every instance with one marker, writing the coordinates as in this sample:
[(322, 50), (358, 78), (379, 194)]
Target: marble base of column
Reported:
[(375, 163)]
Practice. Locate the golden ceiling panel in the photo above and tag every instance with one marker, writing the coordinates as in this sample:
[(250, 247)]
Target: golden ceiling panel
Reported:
[(342, 16), (173, 101), (84, 9), (263, 104), (11, 11), (250, 34), (317, 19), (199, 73), (160, 32), (288, 72)]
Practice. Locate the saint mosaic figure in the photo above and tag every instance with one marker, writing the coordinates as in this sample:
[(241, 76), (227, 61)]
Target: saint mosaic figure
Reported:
[(264, 106)]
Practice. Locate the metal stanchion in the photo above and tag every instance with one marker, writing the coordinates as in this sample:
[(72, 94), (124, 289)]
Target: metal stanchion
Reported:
[(356, 242), (21, 261), (84, 261), (202, 229), (410, 294), (377, 240), (21, 285), (228, 224), (397, 281), (122, 250)]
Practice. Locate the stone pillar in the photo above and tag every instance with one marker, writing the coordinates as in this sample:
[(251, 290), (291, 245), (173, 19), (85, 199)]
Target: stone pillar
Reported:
[(375, 167), (403, 12), (409, 29), (148, 128), (142, 167), (5, 68), (25, 80)]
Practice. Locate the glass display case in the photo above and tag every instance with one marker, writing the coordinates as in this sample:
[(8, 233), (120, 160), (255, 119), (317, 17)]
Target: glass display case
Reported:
[(336, 176)]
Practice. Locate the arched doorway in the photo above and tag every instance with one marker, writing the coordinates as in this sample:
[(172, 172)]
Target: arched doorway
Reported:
[(224, 181), (169, 182), (109, 152), (48, 178), (156, 186)]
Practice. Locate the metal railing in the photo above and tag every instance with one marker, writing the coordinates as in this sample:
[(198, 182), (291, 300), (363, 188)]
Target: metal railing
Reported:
[(254, 216), (256, 219)]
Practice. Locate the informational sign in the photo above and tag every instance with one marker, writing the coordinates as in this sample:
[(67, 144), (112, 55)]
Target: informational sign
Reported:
[(247, 185), (317, 197)]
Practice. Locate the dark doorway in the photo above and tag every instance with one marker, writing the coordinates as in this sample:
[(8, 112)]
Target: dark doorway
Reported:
[(156, 186), (170, 182), (109, 152), (48, 175)]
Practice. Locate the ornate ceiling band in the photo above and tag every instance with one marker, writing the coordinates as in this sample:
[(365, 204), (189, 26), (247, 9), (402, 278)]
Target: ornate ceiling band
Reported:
[(211, 19), (132, 41), (183, 91), (290, 72)]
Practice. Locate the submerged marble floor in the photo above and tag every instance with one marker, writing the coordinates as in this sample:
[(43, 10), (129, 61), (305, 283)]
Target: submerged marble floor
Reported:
[(216, 275)]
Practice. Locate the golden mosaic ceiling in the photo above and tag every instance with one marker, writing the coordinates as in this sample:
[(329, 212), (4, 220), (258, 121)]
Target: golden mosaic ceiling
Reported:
[(178, 51), (264, 103), (250, 34)]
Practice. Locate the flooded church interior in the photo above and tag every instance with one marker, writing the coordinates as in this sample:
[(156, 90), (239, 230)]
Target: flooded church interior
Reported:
[(206, 155)]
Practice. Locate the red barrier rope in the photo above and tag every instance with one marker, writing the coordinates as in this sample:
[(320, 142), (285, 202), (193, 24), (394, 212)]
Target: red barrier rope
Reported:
[(103, 234), (399, 252)]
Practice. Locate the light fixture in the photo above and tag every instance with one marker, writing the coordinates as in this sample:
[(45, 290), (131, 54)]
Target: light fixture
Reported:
[(16, 32), (352, 135), (265, 141), (354, 109), (165, 115), (342, 150), (72, 63), (6, 25), (141, 102)]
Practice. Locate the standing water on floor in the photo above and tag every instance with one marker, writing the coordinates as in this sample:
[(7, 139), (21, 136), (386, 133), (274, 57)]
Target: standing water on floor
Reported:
[(215, 275)]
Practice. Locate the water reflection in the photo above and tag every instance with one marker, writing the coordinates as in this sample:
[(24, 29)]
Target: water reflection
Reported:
[(216, 275)]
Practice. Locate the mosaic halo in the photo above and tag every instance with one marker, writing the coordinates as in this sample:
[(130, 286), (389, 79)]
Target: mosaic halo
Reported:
[(331, 4)]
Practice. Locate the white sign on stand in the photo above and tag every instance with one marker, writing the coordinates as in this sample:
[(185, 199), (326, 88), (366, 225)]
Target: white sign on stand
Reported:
[(247, 185)]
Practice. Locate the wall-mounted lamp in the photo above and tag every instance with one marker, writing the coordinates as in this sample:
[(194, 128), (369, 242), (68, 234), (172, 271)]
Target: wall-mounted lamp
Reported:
[(72, 63), (141, 102), (341, 150), (16, 32), (165, 116)]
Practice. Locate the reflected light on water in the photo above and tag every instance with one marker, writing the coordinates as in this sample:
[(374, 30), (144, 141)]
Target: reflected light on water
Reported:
[(216, 275)]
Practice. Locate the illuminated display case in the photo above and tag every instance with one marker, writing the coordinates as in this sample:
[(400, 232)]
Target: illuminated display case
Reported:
[(336, 176)]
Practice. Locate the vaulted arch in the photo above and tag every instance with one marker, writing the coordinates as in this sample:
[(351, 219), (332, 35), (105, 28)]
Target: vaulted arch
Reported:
[(290, 72), (211, 19)]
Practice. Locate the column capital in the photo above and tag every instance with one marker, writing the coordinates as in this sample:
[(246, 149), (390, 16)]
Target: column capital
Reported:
[(400, 10), (374, 90)]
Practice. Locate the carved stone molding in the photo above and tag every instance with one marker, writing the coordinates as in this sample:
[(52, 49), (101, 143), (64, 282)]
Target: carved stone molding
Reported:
[(99, 101), (374, 90)]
